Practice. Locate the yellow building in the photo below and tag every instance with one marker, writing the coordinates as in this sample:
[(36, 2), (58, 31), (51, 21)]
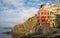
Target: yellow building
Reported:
[(52, 19)]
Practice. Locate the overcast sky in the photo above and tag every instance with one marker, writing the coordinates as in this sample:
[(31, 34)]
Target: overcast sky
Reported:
[(17, 11)]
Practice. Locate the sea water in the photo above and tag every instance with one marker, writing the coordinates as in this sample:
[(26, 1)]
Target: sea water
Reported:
[(4, 35)]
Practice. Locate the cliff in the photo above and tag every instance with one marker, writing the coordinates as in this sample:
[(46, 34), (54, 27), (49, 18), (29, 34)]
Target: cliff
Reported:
[(26, 27), (55, 6)]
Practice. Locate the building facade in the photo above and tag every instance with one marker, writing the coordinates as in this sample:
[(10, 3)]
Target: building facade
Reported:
[(52, 19), (43, 18)]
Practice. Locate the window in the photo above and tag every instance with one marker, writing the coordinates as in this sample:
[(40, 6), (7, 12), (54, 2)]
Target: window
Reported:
[(43, 20), (43, 17), (51, 13), (48, 16), (41, 12)]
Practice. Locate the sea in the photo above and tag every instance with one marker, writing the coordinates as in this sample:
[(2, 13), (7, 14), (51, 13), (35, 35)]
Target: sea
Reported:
[(5, 29)]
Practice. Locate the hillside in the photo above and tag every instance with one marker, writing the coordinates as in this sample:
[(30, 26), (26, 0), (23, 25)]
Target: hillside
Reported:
[(26, 27), (55, 6)]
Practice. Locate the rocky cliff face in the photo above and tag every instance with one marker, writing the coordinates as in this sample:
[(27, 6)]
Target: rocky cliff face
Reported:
[(26, 27), (55, 6)]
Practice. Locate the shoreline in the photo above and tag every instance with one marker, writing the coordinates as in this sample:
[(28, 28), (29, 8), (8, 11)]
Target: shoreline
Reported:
[(8, 32)]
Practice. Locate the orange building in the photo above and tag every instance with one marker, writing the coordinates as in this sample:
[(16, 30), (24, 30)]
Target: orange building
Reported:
[(43, 17)]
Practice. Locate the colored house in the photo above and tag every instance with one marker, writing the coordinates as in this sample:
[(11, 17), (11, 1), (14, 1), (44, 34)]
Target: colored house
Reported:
[(43, 18), (52, 19)]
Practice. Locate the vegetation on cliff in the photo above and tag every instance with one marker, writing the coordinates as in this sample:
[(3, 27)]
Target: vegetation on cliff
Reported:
[(26, 27)]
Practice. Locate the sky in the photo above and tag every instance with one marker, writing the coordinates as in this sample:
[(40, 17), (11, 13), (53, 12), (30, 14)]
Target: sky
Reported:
[(18, 11)]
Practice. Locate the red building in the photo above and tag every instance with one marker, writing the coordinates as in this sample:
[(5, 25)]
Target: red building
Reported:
[(43, 17)]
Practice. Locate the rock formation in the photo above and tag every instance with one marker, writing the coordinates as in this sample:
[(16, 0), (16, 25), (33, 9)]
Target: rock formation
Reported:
[(26, 27)]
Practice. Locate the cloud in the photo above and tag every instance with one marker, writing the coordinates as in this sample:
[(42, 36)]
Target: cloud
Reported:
[(57, 1), (17, 11), (17, 16), (34, 3), (14, 2)]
